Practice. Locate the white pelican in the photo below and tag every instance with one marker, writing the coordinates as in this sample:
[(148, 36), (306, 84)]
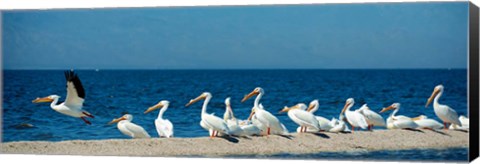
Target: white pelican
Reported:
[(426, 123), (164, 126), (231, 121), (322, 121), (398, 122), (210, 122), (354, 118), (337, 125), (266, 118), (465, 123), (301, 117), (444, 112), (372, 118), (73, 103), (128, 128)]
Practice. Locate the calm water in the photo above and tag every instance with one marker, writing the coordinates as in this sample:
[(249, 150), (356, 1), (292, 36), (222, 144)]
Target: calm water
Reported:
[(427, 155), (111, 93)]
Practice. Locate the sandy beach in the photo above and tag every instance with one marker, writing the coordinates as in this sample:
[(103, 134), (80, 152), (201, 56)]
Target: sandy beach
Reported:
[(205, 146)]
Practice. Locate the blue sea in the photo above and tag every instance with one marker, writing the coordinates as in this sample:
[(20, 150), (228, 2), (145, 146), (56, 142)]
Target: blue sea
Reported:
[(110, 93)]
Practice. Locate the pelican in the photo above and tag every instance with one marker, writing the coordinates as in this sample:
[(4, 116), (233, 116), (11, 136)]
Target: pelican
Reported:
[(444, 112), (322, 121), (128, 128), (73, 103), (210, 122), (164, 126), (231, 121), (271, 122), (337, 125), (426, 123), (355, 118), (398, 122), (301, 117), (465, 123), (372, 118)]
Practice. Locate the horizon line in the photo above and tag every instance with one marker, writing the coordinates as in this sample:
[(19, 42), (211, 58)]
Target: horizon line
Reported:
[(167, 69)]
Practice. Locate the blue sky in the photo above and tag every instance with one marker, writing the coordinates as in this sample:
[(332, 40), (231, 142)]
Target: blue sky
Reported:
[(327, 36)]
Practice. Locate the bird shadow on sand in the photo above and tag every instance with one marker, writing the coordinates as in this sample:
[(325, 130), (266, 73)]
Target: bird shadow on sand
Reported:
[(230, 139), (461, 130), (439, 132), (285, 136), (323, 135), (414, 130)]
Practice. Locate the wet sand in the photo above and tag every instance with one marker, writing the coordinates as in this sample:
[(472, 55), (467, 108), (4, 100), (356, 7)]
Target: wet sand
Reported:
[(211, 147)]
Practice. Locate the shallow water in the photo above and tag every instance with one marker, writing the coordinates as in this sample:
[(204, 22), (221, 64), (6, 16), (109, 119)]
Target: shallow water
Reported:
[(110, 93), (434, 155)]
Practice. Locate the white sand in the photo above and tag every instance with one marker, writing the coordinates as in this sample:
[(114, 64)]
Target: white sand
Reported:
[(204, 146)]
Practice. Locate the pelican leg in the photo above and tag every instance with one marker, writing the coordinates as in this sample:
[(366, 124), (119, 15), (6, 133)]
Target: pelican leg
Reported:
[(369, 127), (88, 114), (444, 126), (268, 131), (86, 121), (353, 129)]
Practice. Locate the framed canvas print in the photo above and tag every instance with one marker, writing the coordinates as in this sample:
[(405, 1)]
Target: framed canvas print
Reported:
[(354, 81)]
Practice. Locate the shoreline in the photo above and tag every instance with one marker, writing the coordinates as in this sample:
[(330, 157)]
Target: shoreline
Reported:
[(304, 143)]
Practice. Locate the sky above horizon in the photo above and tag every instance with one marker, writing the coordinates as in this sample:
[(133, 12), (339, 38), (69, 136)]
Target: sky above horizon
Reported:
[(326, 36)]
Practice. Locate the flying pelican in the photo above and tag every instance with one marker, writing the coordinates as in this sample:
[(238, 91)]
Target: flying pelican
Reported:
[(426, 123), (164, 126), (444, 112), (210, 122), (266, 118), (128, 128), (465, 123), (372, 118), (73, 103), (301, 117), (398, 122), (322, 121), (355, 118)]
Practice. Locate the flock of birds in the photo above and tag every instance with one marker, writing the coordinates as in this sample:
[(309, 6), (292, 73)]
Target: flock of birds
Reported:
[(261, 122)]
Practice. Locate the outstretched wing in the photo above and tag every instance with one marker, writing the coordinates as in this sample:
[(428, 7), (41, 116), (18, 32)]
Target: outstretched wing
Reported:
[(75, 91)]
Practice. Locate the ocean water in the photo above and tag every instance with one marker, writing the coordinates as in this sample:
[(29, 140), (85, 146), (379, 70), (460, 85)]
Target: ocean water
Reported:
[(110, 93), (426, 155)]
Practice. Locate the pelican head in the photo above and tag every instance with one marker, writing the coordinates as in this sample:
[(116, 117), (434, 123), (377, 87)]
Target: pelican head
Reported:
[(312, 105), (348, 104), (203, 96), (227, 101), (159, 105), (393, 106), (128, 117), (436, 91), (46, 99), (256, 91), (299, 106)]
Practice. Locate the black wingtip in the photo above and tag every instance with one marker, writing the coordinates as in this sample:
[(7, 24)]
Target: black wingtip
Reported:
[(72, 77)]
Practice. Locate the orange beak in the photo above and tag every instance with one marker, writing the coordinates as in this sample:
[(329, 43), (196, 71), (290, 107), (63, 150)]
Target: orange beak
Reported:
[(434, 93), (40, 100), (117, 120), (201, 97), (152, 108), (345, 108), (253, 93), (387, 109)]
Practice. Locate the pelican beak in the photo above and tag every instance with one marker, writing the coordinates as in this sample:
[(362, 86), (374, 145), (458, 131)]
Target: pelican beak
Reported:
[(152, 108), (253, 93), (345, 108), (310, 108), (285, 109), (40, 100), (435, 92), (117, 120), (387, 109), (251, 115), (201, 97)]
